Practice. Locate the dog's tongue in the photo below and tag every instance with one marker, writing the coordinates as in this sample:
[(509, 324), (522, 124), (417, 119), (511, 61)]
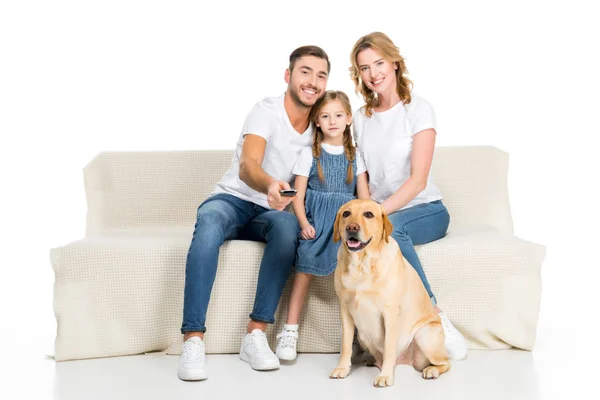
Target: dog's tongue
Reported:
[(353, 243)]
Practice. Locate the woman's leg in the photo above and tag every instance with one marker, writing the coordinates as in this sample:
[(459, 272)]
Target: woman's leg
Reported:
[(419, 225)]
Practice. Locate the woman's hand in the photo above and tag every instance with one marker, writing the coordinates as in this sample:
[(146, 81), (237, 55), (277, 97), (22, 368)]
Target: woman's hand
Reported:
[(383, 208)]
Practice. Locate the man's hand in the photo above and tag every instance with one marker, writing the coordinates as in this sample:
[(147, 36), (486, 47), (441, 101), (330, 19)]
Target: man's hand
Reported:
[(275, 200), (308, 232)]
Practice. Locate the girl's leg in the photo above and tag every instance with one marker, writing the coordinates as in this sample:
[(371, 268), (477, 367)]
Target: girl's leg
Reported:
[(297, 296), (288, 338)]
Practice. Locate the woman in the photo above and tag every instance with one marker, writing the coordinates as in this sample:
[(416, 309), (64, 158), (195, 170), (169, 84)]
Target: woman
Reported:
[(395, 134)]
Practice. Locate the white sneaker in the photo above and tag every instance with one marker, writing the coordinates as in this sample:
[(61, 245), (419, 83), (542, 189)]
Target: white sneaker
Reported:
[(191, 361), (255, 350), (286, 343), (455, 342)]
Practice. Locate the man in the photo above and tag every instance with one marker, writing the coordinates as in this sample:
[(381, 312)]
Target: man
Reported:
[(246, 204)]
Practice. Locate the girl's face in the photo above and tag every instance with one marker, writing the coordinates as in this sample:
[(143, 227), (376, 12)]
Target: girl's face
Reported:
[(332, 119), (377, 73)]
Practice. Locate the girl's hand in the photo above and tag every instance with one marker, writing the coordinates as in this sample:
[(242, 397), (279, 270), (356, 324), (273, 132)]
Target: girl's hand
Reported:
[(308, 232)]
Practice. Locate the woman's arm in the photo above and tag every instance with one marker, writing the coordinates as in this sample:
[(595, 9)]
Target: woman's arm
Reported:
[(300, 184), (362, 187), (420, 164)]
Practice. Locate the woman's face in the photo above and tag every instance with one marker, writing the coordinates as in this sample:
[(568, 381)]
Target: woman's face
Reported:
[(378, 74)]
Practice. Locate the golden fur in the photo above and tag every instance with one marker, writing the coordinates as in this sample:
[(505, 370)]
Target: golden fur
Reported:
[(382, 295)]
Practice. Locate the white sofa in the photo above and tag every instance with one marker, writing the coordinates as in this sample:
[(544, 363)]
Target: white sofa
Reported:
[(119, 290)]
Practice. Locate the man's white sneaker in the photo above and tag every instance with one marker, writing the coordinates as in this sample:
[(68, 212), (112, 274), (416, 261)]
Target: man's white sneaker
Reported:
[(255, 350), (191, 361), (455, 342), (286, 343)]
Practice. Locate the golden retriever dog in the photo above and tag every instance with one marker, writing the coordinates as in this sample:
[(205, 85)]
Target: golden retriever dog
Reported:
[(382, 295)]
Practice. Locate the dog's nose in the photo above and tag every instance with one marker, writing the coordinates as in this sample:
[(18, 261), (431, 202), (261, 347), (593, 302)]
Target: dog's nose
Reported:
[(353, 227)]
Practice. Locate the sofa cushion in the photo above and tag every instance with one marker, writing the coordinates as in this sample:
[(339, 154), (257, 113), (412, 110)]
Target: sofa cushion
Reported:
[(122, 293)]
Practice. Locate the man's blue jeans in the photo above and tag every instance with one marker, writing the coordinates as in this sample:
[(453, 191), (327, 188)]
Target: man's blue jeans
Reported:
[(416, 225), (225, 217)]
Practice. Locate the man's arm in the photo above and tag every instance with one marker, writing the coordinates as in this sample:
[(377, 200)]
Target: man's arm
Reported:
[(252, 174)]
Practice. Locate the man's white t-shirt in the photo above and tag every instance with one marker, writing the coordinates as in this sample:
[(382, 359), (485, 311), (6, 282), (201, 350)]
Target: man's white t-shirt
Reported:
[(269, 120), (305, 160), (385, 142)]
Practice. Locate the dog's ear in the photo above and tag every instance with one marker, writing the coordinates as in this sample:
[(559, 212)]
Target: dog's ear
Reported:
[(387, 225), (336, 228)]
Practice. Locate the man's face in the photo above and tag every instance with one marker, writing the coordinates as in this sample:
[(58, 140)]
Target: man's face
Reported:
[(307, 81)]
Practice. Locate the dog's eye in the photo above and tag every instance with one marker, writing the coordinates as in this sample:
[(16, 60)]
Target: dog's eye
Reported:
[(368, 214), (346, 214)]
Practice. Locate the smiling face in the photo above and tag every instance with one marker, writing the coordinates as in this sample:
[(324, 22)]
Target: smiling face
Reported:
[(361, 224), (377, 73), (333, 119), (307, 80)]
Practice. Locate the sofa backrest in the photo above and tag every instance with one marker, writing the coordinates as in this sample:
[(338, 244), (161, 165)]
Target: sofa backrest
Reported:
[(162, 190), (474, 183)]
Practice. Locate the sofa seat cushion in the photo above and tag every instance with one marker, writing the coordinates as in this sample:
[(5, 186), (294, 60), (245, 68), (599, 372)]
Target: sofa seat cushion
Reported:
[(121, 293)]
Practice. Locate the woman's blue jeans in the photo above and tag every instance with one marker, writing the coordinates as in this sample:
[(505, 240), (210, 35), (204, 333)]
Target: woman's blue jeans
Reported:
[(416, 225), (225, 217)]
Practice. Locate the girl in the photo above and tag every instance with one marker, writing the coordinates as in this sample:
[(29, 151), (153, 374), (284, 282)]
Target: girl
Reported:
[(396, 134), (327, 175)]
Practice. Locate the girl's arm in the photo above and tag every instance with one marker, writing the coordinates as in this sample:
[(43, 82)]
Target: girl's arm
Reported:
[(420, 164), (362, 187), (300, 184)]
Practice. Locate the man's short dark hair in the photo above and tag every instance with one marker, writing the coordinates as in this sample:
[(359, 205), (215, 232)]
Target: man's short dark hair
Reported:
[(314, 51)]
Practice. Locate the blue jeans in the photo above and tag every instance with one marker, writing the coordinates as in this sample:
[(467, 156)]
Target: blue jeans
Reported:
[(416, 225), (225, 217)]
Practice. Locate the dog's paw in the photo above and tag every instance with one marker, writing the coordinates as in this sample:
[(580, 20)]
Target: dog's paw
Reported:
[(431, 372), (383, 381), (339, 373)]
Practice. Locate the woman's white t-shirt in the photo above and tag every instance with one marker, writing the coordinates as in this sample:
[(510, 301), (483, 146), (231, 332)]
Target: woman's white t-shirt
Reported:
[(305, 160), (385, 143)]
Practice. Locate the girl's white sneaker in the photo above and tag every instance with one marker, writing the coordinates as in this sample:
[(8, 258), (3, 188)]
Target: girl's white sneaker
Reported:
[(286, 343)]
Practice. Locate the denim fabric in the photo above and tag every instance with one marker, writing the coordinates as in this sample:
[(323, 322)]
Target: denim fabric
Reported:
[(417, 225), (318, 256), (225, 217)]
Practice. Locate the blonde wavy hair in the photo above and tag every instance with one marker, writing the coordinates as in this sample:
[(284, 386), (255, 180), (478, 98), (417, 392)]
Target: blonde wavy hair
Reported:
[(382, 44), (349, 149)]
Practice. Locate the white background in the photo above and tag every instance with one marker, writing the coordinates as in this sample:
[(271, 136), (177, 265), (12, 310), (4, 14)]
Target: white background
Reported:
[(81, 77)]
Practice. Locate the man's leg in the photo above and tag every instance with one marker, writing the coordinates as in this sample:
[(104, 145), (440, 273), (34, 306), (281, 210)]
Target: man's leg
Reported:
[(219, 218), (280, 230)]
